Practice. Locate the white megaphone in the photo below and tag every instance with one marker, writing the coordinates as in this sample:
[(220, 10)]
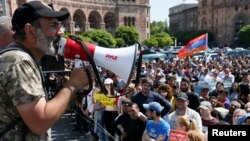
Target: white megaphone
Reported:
[(120, 60)]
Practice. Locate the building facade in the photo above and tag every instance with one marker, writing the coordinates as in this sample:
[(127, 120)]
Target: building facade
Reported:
[(99, 14), (183, 17), (224, 18)]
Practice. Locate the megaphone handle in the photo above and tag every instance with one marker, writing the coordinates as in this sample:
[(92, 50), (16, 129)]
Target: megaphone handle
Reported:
[(90, 81), (78, 62)]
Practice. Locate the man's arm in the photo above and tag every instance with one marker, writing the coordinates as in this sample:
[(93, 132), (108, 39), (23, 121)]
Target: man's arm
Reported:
[(161, 138), (164, 103), (40, 115), (145, 136), (117, 126)]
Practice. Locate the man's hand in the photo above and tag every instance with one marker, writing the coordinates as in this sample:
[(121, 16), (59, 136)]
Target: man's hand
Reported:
[(123, 135), (78, 78)]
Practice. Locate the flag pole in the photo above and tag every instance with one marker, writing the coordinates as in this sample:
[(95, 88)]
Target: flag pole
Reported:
[(206, 48)]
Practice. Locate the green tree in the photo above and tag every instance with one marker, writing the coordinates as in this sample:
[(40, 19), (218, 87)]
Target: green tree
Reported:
[(244, 36), (102, 37), (158, 27), (129, 34), (163, 39), (120, 42), (184, 37), (152, 42), (83, 38), (159, 40)]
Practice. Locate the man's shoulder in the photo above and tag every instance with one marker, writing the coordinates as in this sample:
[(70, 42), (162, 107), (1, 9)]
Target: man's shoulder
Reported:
[(170, 115), (192, 112), (164, 125), (14, 56), (136, 95), (154, 94)]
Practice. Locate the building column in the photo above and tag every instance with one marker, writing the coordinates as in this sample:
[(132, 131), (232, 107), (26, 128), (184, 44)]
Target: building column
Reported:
[(102, 26), (87, 26), (71, 26)]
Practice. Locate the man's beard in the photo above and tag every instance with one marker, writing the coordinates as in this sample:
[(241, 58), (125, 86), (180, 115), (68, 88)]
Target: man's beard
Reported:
[(184, 89), (45, 43)]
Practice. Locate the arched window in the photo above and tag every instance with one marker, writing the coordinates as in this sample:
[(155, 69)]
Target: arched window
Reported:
[(133, 21), (125, 21)]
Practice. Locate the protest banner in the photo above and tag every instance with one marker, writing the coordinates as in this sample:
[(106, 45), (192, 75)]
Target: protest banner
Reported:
[(176, 135), (105, 100)]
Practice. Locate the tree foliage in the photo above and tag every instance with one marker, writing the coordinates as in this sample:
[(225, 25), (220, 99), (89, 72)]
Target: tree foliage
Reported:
[(83, 38), (158, 27), (120, 42), (184, 37), (152, 42), (159, 40), (244, 36), (102, 37), (130, 35)]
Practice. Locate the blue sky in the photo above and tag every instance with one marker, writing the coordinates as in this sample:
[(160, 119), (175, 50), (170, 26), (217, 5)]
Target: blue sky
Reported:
[(160, 8)]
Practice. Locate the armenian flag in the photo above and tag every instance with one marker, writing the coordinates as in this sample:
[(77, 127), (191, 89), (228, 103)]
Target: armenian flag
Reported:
[(195, 45)]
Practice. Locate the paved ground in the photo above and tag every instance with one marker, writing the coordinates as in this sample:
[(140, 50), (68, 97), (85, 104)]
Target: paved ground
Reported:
[(63, 130)]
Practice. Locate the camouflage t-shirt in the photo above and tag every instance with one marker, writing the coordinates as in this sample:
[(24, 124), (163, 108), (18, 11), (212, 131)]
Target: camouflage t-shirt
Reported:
[(20, 82)]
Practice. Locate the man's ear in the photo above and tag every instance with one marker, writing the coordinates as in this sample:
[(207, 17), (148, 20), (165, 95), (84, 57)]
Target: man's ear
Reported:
[(29, 30)]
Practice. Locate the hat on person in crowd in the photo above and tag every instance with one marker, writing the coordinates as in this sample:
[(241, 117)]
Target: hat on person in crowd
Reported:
[(206, 105), (205, 88), (182, 96), (108, 81), (155, 106), (31, 11)]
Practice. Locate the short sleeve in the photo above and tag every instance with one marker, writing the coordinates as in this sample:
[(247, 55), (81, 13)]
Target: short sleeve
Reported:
[(24, 82)]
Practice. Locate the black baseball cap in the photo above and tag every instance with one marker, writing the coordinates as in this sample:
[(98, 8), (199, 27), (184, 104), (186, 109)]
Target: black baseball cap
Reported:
[(33, 10), (182, 96)]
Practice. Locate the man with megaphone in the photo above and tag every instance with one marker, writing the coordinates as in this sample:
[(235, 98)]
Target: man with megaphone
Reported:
[(25, 112)]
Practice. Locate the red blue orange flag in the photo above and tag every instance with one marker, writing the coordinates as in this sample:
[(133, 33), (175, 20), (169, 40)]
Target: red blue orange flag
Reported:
[(195, 45)]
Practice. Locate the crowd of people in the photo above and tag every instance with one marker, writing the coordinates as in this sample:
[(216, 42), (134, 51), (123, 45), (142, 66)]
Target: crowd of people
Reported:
[(164, 101), (166, 94)]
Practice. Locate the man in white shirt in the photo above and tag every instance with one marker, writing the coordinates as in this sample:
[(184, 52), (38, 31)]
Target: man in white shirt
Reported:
[(183, 110)]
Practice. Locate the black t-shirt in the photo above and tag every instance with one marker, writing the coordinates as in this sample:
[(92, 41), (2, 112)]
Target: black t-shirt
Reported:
[(135, 129), (140, 99), (194, 100)]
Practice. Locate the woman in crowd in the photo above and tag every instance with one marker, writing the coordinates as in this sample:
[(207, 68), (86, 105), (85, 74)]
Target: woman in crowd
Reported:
[(219, 86), (234, 92), (166, 91), (187, 125)]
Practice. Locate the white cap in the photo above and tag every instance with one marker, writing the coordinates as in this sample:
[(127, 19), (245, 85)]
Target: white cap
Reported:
[(108, 81)]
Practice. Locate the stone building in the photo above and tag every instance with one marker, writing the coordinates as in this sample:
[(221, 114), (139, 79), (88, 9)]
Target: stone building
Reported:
[(224, 18), (183, 17), (100, 14)]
